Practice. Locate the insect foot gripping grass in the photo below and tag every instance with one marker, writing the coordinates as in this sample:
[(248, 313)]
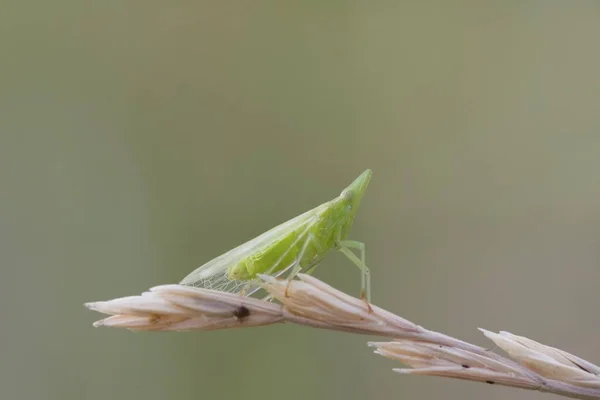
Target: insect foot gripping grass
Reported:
[(295, 246)]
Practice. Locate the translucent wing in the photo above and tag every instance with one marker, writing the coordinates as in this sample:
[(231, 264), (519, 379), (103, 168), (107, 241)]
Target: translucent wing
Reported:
[(213, 274)]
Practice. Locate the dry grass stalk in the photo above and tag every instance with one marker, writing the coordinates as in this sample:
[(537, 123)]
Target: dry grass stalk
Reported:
[(308, 301)]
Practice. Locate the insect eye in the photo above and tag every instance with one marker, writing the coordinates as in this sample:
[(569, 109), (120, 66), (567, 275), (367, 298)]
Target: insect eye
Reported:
[(347, 195)]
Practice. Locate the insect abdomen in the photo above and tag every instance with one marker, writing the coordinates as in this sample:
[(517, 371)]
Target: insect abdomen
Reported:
[(271, 259), (282, 253), (311, 241)]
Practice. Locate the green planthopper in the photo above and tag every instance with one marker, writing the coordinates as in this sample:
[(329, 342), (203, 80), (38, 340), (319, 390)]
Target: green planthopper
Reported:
[(295, 246)]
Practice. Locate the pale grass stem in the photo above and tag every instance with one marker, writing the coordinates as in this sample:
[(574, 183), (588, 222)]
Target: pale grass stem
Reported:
[(310, 302)]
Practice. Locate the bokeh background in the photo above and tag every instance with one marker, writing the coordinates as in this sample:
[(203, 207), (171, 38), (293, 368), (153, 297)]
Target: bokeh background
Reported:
[(140, 139)]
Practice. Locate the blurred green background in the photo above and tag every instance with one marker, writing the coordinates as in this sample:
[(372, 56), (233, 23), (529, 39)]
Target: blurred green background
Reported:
[(141, 139)]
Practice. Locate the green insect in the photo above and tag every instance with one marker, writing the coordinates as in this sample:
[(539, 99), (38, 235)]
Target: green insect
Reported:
[(295, 246)]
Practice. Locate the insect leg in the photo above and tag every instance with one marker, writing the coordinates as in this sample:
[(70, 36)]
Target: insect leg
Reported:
[(310, 269), (345, 246), (273, 268), (294, 268), (291, 276), (248, 289), (277, 275), (283, 271), (297, 266)]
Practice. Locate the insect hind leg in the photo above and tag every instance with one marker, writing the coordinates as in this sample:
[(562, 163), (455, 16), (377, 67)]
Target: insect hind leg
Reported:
[(310, 270), (297, 267), (283, 271), (292, 270)]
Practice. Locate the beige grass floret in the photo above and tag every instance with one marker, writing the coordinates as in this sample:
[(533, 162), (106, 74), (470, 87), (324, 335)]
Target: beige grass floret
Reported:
[(308, 301)]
